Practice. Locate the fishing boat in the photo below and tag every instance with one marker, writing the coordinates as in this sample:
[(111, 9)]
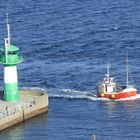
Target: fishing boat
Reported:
[(112, 90)]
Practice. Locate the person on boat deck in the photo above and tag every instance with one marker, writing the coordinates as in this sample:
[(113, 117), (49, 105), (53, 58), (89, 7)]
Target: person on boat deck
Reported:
[(109, 88)]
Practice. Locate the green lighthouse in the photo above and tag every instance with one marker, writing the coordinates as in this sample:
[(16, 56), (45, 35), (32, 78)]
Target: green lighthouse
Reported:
[(9, 58)]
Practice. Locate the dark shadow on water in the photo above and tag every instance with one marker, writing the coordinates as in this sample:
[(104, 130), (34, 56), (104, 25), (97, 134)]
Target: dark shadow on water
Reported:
[(17, 132)]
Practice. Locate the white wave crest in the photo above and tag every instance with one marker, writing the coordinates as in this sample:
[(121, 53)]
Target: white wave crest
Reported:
[(76, 94)]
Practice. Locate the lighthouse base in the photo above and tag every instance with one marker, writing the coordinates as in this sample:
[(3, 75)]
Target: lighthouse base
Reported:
[(31, 103)]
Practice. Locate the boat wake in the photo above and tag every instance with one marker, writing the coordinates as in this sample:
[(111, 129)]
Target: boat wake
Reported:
[(66, 93), (76, 94)]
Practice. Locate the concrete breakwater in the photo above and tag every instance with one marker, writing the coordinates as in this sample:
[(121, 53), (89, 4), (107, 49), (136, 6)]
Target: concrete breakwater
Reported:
[(31, 103)]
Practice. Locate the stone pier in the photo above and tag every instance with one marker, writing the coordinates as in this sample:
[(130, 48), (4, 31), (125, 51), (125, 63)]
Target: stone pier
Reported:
[(31, 103)]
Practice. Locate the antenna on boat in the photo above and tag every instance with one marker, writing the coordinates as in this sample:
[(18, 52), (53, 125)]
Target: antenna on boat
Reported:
[(108, 67), (127, 79), (108, 74)]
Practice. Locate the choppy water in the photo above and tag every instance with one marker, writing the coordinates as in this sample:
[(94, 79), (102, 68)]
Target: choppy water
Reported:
[(66, 45)]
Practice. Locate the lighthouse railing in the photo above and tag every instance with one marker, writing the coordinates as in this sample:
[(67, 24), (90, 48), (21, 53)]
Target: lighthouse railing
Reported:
[(11, 59)]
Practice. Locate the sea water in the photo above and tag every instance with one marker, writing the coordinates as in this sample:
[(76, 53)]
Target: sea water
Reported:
[(66, 45)]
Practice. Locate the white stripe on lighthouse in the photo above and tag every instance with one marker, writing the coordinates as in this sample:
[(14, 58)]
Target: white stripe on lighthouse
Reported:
[(10, 74)]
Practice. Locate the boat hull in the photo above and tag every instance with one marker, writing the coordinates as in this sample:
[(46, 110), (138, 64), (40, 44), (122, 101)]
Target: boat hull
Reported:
[(119, 95)]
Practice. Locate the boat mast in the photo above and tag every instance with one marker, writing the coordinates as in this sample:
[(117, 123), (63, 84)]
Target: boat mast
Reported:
[(127, 79), (108, 74)]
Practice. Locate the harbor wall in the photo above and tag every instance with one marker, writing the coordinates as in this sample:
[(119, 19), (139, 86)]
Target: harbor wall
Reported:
[(31, 104)]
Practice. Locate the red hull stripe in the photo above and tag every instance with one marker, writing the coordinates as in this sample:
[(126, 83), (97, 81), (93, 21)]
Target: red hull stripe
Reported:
[(119, 95)]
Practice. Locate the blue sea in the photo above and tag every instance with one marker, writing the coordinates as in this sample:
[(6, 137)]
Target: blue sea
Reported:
[(66, 45)]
